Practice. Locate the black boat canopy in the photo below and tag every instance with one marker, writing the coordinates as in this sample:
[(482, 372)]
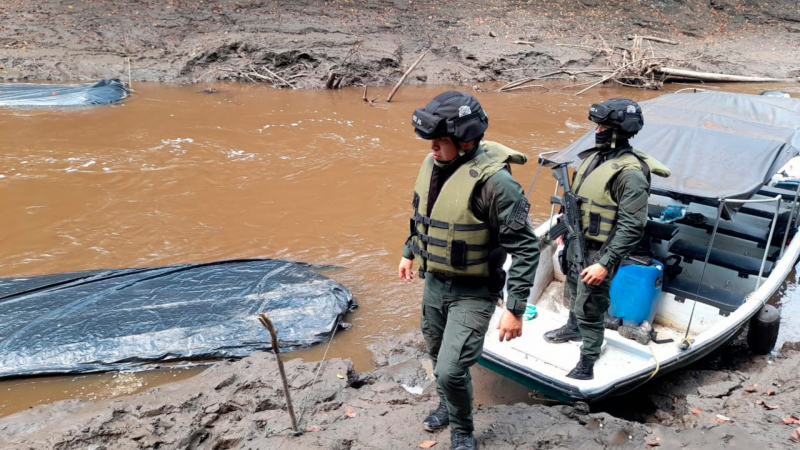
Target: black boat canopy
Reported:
[(717, 144)]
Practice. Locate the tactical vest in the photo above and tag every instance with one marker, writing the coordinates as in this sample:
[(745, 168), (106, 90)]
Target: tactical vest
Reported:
[(598, 207), (452, 241)]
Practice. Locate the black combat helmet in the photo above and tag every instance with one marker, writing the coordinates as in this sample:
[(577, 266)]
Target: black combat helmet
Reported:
[(453, 114), (621, 114)]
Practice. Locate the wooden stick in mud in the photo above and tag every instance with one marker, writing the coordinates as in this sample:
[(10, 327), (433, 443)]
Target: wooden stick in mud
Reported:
[(708, 76), (405, 75), (264, 319), (130, 81), (331, 78)]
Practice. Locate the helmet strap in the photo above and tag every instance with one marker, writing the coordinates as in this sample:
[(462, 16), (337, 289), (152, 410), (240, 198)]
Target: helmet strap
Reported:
[(614, 140)]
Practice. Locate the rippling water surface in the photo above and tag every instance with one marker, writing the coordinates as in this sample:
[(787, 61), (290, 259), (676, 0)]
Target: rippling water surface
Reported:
[(174, 175)]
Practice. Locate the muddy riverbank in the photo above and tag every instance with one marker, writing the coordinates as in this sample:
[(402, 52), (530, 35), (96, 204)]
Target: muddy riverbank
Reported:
[(240, 405), (373, 42)]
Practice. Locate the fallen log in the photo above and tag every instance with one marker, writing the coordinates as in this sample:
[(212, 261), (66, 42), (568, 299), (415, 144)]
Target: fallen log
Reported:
[(721, 77), (405, 75)]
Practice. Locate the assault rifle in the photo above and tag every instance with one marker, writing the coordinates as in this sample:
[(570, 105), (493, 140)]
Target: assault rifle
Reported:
[(570, 223)]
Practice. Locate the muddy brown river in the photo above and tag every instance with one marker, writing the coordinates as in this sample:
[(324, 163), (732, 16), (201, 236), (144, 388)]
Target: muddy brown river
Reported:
[(175, 175)]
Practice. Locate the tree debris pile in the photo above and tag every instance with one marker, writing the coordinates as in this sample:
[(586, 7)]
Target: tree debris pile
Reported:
[(639, 65)]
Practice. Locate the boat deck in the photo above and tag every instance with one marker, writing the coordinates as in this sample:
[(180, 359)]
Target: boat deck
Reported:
[(620, 356)]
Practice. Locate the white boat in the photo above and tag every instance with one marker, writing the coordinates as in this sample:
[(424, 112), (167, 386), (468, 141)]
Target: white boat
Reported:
[(723, 150)]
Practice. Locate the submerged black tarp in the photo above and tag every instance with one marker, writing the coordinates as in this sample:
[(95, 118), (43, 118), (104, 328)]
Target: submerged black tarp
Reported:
[(717, 144), (28, 94), (116, 319)]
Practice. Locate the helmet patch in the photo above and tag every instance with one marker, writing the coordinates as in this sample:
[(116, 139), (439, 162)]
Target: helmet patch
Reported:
[(631, 109), (464, 110)]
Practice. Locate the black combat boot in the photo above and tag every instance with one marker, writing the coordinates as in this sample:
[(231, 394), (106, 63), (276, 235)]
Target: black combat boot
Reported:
[(568, 332), (438, 419), (462, 441), (584, 370)]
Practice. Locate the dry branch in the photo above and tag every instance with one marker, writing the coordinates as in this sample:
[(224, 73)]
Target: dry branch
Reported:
[(405, 75), (276, 76), (585, 47), (631, 37), (606, 78), (527, 86), (708, 76), (517, 83), (525, 42)]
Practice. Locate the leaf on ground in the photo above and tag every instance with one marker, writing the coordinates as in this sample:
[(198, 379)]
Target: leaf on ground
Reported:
[(427, 444), (339, 376), (350, 413), (791, 419), (796, 435), (769, 393), (718, 420), (312, 428), (750, 389), (723, 418), (653, 443), (767, 406), (697, 410)]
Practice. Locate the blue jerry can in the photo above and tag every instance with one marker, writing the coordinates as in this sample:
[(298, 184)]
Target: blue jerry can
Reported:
[(634, 292)]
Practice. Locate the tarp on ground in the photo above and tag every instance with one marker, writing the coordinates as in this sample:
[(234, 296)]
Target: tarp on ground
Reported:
[(717, 144), (22, 95), (119, 319)]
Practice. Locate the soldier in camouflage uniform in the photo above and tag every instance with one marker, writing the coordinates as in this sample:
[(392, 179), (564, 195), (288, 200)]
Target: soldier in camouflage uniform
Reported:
[(613, 187), (468, 213)]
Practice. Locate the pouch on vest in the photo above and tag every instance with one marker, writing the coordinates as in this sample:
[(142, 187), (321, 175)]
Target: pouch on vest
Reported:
[(458, 254), (594, 224)]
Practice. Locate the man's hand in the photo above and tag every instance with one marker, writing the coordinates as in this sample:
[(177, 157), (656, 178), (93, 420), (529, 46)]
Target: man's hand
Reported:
[(594, 274), (560, 241), (405, 271), (510, 327)]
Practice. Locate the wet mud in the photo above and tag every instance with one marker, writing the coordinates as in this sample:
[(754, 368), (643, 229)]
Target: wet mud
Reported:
[(373, 42), (240, 405)]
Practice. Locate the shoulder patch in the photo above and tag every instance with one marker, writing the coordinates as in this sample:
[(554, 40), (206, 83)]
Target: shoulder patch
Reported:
[(520, 218), (634, 206)]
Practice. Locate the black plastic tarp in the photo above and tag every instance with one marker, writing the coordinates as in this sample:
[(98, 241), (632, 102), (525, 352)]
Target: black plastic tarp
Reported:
[(103, 92), (118, 319), (717, 144)]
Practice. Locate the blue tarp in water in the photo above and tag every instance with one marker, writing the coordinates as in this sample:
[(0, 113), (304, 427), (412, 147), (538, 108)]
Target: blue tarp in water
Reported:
[(118, 319), (29, 95)]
